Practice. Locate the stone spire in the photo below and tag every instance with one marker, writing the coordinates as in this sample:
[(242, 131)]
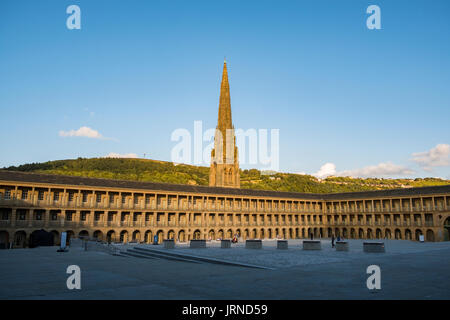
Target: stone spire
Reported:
[(224, 171)]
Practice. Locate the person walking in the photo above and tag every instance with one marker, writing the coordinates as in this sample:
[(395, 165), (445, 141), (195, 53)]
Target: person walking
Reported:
[(332, 240)]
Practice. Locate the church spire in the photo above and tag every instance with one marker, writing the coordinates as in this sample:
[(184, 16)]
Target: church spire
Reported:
[(224, 170), (224, 121)]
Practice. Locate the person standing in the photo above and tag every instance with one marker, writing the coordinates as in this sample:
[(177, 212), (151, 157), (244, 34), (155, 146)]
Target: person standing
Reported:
[(332, 240)]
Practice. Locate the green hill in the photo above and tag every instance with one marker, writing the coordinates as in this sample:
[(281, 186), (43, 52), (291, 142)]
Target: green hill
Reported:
[(161, 171)]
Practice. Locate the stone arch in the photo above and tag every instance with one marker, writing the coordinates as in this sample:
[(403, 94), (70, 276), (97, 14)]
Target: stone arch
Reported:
[(20, 239), (136, 236), (246, 234), (329, 232), (270, 233), (369, 233), (70, 235), (303, 233), (220, 234), (98, 235), (417, 234), (111, 236), (197, 235), (297, 233), (211, 234), (361, 233), (352, 233), (239, 233), (398, 234), (148, 236), (378, 233), (387, 234), (171, 235), (446, 233), (123, 236), (160, 235), (430, 235), (291, 234), (344, 233), (229, 234), (262, 233), (83, 234), (56, 240), (337, 233), (4, 239), (408, 235), (254, 234), (283, 230), (181, 236)]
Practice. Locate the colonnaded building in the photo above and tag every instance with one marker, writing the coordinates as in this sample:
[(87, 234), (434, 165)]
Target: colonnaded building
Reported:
[(124, 211)]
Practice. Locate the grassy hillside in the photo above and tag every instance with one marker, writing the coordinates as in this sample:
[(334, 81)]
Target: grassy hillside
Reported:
[(160, 171)]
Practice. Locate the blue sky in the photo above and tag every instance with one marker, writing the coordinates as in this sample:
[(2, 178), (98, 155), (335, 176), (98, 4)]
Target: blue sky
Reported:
[(345, 98)]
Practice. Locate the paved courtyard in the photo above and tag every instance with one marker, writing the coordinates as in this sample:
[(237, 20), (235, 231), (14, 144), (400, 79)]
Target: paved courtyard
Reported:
[(409, 270)]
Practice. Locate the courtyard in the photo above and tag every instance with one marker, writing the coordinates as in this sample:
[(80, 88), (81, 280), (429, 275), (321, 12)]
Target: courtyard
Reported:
[(409, 270)]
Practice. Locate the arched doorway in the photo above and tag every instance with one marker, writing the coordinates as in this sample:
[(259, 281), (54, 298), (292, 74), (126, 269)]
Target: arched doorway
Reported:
[(148, 236), (430, 235), (111, 236), (418, 233), (181, 236), (344, 233), (447, 229), (270, 233), (246, 234), (378, 234), (83, 234), (329, 232), (369, 234), (136, 236), (56, 240), (98, 235), (361, 233), (123, 236), (408, 234), (197, 235), (262, 234), (220, 234), (160, 235), (254, 236), (171, 235), (229, 234), (398, 234), (387, 233), (211, 234), (352, 233), (20, 239)]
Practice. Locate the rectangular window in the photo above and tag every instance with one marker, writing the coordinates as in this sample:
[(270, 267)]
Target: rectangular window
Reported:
[(70, 196), (24, 195), (97, 217), (136, 199), (147, 199), (7, 194), (5, 215), (41, 195), (85, 195), (83, 216), (123, 199), (68, 216), (54, 216), (21, 215), (111, 198), (38, 216), (56, 196), (98, 198)]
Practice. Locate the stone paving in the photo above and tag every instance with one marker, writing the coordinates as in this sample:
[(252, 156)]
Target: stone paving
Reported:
[(409, 270)]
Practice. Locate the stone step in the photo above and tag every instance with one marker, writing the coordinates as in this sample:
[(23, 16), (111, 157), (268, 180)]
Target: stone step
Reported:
[(152, 254), (197, 259)]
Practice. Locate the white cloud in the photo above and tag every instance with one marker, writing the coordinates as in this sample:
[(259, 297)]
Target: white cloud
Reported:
[(118, 155), (82, 132), (438, 156), (384, 169), (328, 169)]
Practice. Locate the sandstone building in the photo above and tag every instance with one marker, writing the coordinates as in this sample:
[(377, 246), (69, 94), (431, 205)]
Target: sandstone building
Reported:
[(124, 211)]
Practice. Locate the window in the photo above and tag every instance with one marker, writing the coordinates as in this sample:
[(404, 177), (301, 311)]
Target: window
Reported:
[(56, 196), (136, 199), (83, 216), (97, 216), (5, 215), (21, 215), (69, 216), (111, 198), (24, 194), (85, 197), (41, 195), (54, 216), (7, 194), (147, 199), (98, 197), (70, 196), (124, 198), (38, 215)]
